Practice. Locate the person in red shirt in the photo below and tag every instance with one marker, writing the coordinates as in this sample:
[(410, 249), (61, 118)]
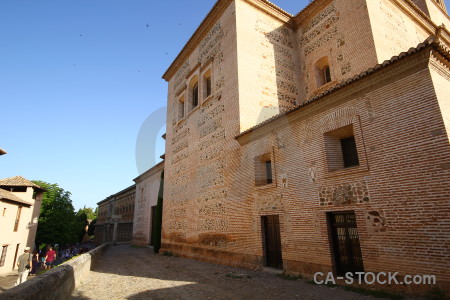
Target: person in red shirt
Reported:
[(50, 257)]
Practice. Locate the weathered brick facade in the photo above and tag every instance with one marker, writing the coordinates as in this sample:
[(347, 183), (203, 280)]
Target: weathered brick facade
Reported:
[(115, 217), (266, 111)]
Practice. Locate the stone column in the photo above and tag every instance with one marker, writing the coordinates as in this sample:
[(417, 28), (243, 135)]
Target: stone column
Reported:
[(115, 231)]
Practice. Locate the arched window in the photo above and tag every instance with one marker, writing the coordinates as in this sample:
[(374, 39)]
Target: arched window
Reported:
[(193, 99), (195, 95), (326, 74), (207, 84), (323, 71)]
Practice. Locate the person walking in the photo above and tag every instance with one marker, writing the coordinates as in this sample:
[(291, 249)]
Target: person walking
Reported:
[(24, 264), (50, 257), (35, 261)]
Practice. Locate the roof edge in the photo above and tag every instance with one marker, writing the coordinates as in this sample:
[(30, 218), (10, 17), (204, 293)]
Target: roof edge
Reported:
[(159, 166), (207, 22), (119, 192), (214, 14)]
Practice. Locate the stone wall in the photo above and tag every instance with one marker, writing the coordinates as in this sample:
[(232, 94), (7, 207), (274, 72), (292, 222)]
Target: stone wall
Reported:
[(147, 188), (59, 282)]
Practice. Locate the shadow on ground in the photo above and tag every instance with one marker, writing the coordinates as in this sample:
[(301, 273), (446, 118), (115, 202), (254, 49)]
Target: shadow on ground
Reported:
[(125, 272)]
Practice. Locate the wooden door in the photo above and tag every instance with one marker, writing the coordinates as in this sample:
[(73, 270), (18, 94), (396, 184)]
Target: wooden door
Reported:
[(272, 241)]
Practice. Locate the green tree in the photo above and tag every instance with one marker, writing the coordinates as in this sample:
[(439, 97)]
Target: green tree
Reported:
[(91, 214), (58, 222), (81, 221), (91, 230)]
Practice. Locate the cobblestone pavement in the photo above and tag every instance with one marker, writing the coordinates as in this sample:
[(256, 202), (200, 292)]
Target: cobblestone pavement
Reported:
[(7, 281), (125, 272)]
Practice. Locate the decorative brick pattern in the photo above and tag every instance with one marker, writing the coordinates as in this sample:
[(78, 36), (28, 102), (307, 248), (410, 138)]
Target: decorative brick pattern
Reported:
[(218, 225), (329, 10), (342, 194)]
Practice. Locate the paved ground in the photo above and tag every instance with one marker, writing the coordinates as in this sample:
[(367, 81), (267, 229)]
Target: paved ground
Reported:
[(125, 272), (7, 281)]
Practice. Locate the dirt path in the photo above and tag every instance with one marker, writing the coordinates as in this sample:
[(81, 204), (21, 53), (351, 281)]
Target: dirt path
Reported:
[(125, 272)]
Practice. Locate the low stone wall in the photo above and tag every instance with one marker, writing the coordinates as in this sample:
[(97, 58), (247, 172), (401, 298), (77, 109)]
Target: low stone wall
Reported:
[(57, 283)]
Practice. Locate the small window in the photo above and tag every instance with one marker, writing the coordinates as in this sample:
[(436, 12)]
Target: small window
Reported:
[(16, 224), (4, 211), (268, 164), (349, 153), (263, 170), (326, 74), (3, 257), (323, 71), (207, 84), (341, 148), (193, 100), (195, 95)]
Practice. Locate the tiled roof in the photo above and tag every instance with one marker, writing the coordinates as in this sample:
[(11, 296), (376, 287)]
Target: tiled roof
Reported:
[(5, 195), (431, 41), (18, 181), (277, 7)]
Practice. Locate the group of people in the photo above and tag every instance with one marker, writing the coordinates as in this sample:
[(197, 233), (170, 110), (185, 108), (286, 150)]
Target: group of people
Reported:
[(29, 263), (70, 251)]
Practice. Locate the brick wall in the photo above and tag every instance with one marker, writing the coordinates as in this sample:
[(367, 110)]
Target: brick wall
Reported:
[(195, 157), (212, 209), (400, 194), (339, 31)]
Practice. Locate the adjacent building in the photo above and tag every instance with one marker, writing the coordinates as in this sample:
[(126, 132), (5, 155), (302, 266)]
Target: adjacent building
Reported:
[(20, 205), (147, 189), (312, 142), (115, 217)]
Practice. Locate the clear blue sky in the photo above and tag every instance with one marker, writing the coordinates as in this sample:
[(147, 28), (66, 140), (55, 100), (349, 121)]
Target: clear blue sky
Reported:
[(79, 78)]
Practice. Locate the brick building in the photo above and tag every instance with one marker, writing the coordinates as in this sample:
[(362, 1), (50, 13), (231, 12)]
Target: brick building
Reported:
[(314, 142), (115, 217)]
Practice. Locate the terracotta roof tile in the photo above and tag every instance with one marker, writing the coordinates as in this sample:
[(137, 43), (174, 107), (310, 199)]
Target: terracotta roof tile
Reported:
[(5, 195), (18, 181)]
